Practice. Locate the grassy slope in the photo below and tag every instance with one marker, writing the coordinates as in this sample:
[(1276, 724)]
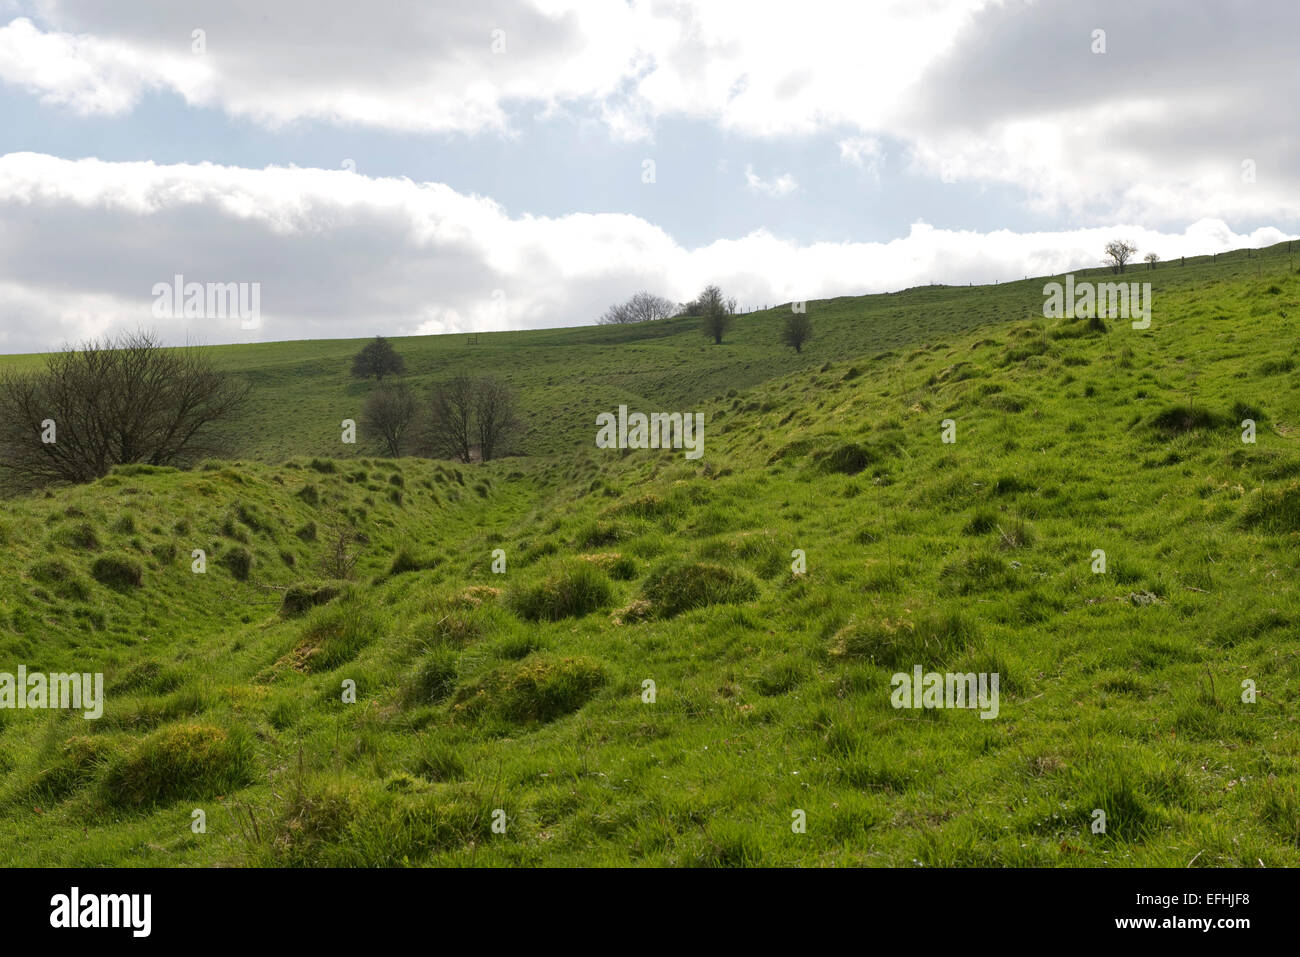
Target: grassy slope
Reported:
[(966, 557), (303, 390)]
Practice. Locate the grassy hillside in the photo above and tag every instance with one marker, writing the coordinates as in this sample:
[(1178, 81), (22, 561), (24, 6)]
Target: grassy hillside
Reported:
[(524, 691), (303, 390)]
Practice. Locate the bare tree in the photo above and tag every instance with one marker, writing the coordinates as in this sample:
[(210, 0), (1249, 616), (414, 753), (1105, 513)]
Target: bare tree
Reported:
[(642, 307), (388, 413), (451, 432), (717, 313), (473, 414), (120, 400), (377, 359), (1118, 253), (797, 330), (1151, 259), (495, 418), (616, 315), (648, 308)]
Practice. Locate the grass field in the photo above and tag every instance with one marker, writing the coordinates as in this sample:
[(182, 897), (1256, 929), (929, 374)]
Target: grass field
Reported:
[(522, 696)]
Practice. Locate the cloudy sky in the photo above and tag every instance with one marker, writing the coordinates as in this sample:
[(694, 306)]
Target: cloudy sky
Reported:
[(405, 166)]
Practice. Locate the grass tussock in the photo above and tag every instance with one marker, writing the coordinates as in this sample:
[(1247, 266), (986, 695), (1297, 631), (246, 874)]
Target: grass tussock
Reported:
[(1275, 510), (906, 640), (181, 761), (336, 634), (301, 598), (675, 588), (1178, 420), (537, 690), (118, 571), (572, 590)]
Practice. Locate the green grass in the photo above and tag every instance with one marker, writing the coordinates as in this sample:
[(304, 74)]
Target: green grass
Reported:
[(577, 589), (529, 692)]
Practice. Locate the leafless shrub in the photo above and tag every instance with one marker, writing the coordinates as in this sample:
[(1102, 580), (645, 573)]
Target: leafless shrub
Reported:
[(120, 400), (341, 549), (642, 307)]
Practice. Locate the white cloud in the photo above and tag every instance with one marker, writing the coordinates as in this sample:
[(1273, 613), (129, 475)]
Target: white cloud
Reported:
[(1002, 91), (91, 75), (339, 254), (751, 67), (863, 151), (399, 67), (782, 185), (1155, 129)]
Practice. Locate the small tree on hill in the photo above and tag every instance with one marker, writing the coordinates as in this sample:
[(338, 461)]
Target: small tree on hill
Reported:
[(716, 312), (797, 330), (1151, 259), (451, 431), (118, 401), (615, 315), (642, 307), (377, 359), (495, 419), (388, 413), (1118, 253), (470, 413)]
